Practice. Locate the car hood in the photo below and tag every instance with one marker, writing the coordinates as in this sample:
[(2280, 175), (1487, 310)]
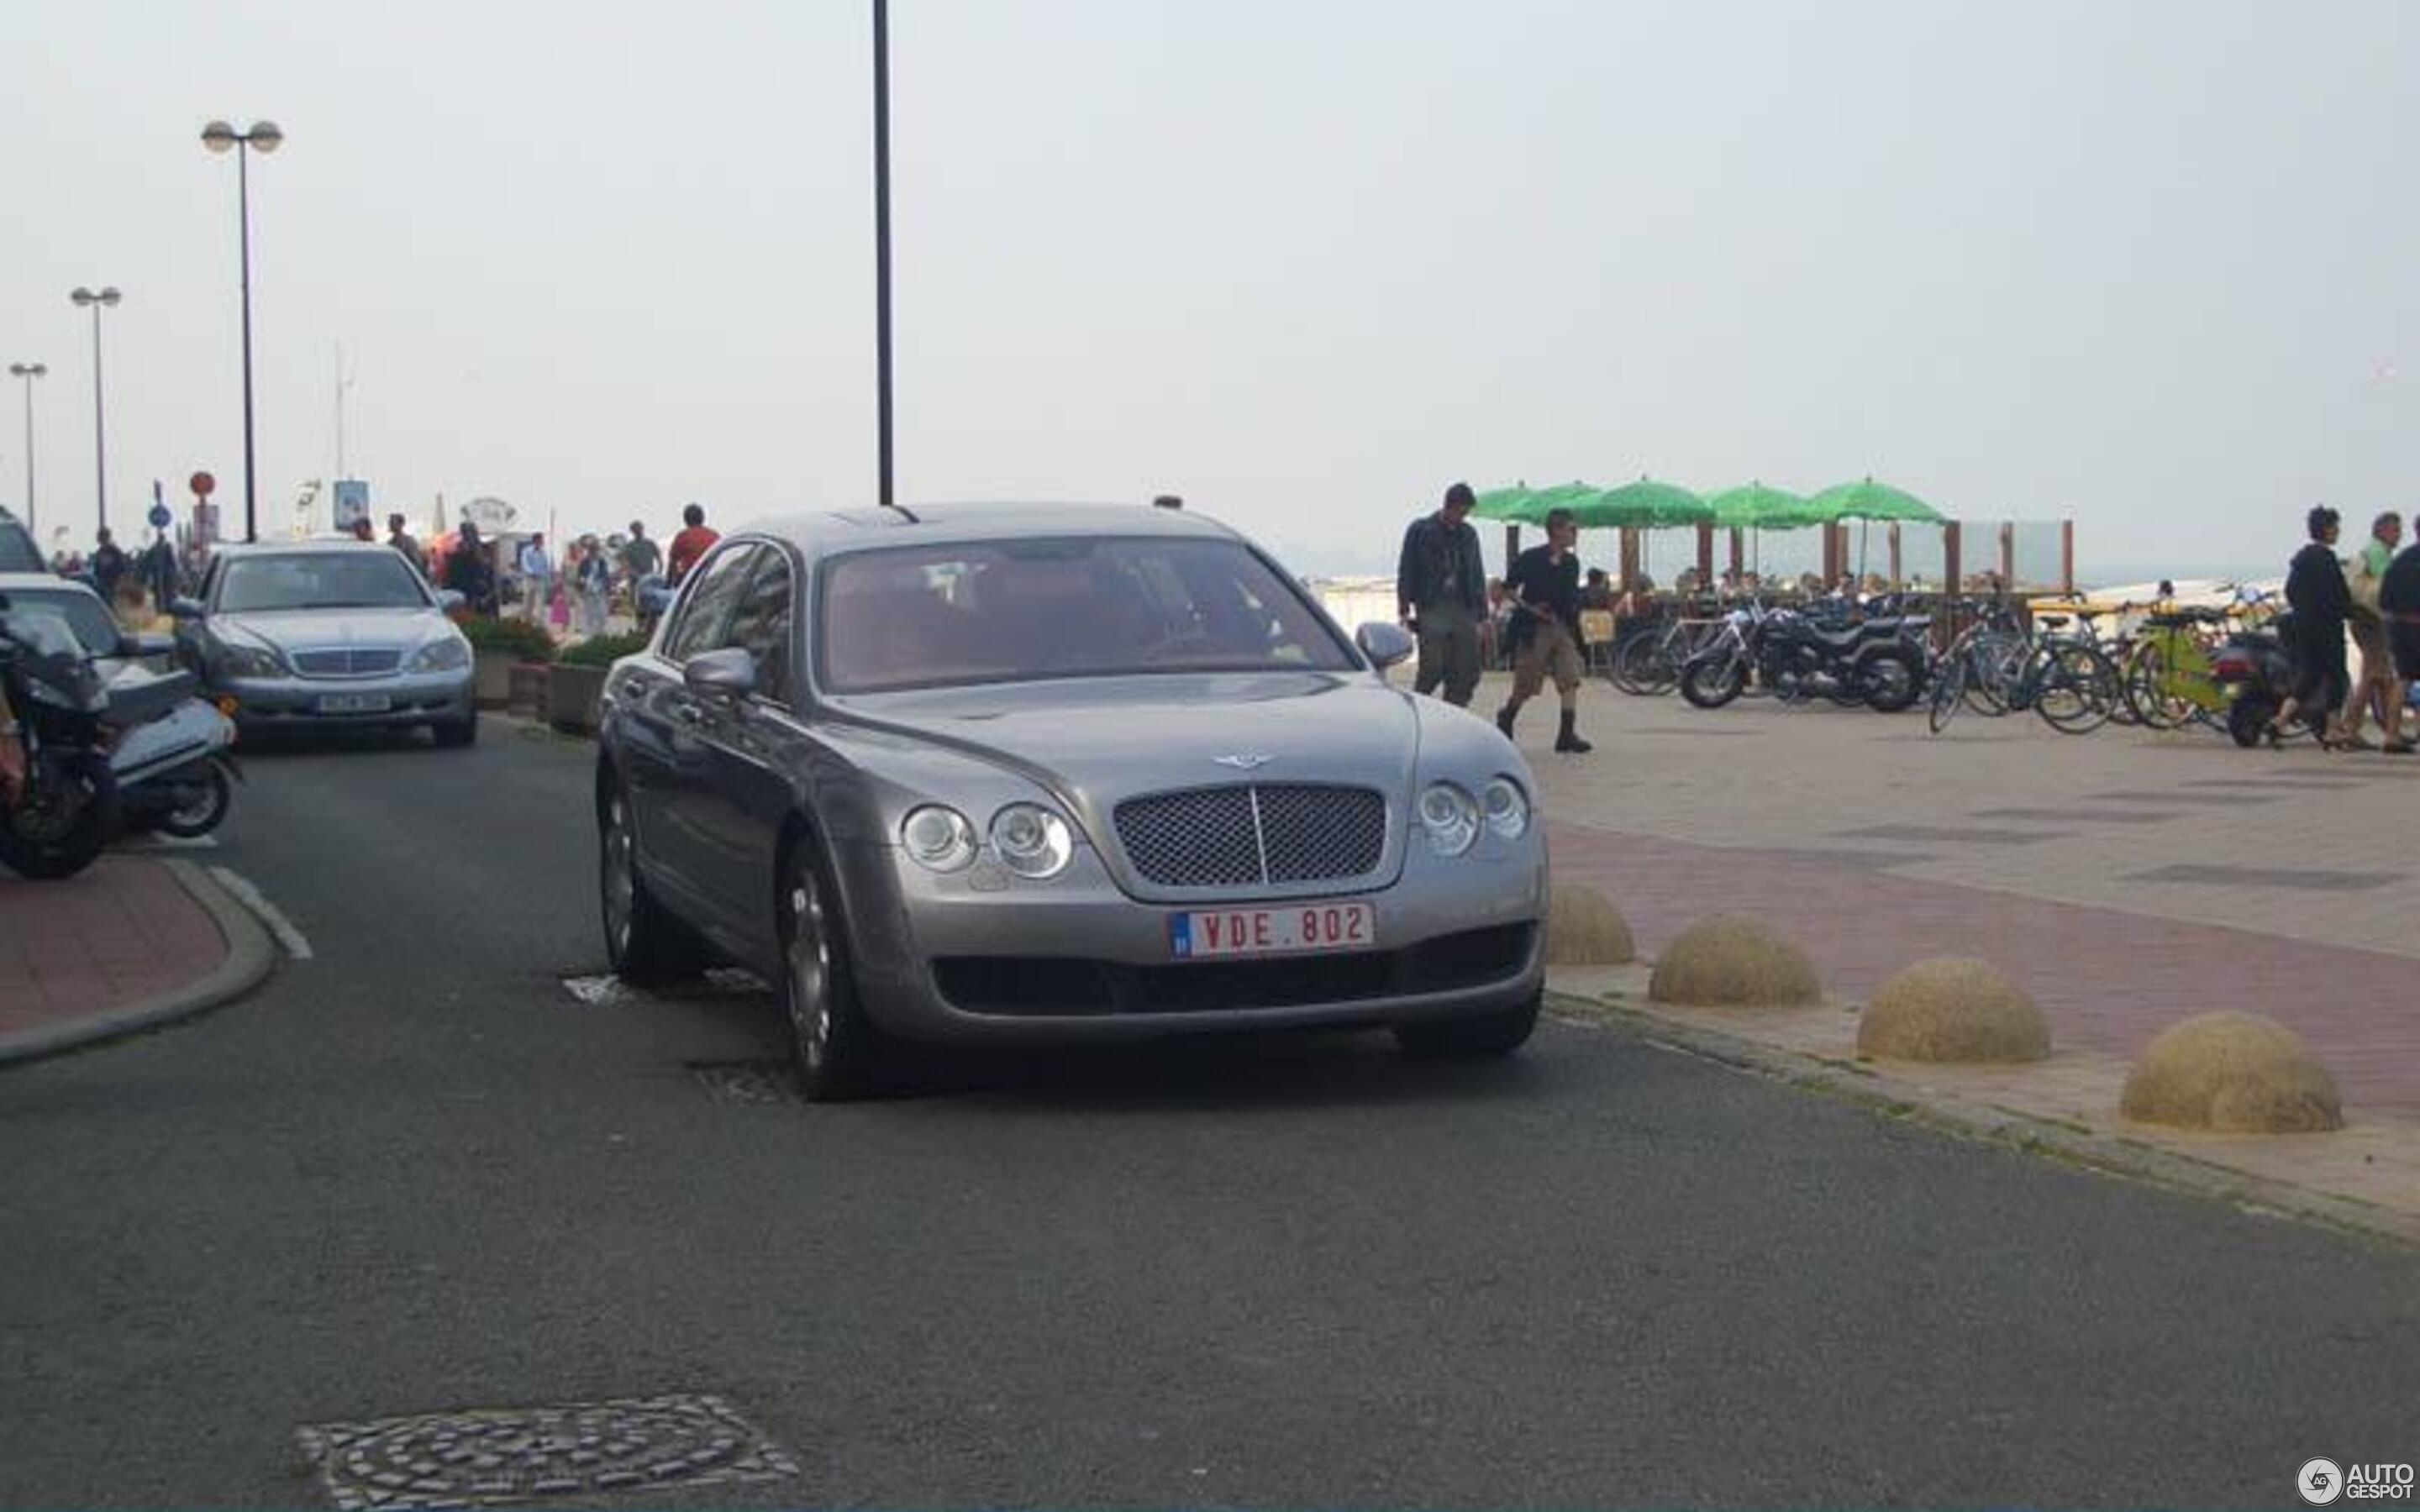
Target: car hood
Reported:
[(1106, 739), (333, 626)]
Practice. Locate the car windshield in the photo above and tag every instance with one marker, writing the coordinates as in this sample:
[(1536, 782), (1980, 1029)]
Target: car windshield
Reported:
[(1022, 611), (319, 579), (87, 617)]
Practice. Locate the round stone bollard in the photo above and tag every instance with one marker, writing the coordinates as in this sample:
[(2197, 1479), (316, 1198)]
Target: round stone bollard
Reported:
[(1732, 961), (1952, 1009), (1585, 929), (2232, 1073)]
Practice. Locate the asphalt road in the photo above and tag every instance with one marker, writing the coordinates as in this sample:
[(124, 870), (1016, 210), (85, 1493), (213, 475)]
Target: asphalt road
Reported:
[(416, 1175)]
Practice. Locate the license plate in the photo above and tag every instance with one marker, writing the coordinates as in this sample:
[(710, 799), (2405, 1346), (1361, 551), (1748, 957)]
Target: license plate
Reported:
[(1299, 930), (355, 703)]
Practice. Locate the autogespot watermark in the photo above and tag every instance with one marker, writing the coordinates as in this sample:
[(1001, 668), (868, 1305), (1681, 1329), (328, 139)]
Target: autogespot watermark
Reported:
[(2322, 1481)]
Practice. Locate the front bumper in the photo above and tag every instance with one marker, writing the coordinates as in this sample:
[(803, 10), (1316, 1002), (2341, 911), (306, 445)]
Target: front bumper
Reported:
[(1077, 960), (304, 702)]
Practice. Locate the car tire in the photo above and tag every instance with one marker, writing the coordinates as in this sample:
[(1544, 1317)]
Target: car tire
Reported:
[(452, 734), (835, 1053), (642, 943), (1484, 1035)]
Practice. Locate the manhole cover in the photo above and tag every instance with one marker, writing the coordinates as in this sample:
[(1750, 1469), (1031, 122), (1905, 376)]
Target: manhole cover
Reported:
[(749, 1082), (494, 1456)]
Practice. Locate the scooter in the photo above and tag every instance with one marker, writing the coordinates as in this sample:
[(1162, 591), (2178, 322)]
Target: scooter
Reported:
[(58, 797), (178, 773), (2256, 669)]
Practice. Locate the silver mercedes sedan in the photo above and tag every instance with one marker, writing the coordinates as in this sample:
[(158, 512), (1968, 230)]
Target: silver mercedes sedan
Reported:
[(995, 775), (315, 635)]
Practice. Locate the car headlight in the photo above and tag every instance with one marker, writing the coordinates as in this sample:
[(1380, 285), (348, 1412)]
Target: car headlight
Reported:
[(938, 839), (445, 656), (248, 662), (1507, 808), (1450, 816), (1032, 841)]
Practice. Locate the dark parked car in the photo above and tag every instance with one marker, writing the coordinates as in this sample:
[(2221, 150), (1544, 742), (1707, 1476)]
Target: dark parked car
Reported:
[(1009, 776), (18, 552)]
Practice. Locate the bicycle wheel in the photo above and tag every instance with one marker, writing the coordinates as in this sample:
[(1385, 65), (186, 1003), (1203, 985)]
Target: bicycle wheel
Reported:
[(2073, 686), (2146, 677), (1949, 693), (1995, 666), (1644, 666)]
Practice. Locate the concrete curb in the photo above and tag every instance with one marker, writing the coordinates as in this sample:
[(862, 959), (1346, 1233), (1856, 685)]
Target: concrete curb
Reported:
[(1891, 1097), (250, 956)]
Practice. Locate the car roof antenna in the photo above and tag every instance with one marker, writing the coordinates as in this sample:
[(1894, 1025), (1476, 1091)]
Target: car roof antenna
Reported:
[(903, 512)]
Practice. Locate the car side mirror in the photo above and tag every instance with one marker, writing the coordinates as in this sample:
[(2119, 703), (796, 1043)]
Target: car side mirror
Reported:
[(146, 645), (1384, 643), (730, 672), (185, 609), (448, 600)]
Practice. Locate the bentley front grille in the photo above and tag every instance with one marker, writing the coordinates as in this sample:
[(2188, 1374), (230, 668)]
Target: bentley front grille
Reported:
[(1254, 835)]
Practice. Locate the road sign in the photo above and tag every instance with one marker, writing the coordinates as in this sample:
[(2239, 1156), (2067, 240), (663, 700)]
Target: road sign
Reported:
[(202, 483), (159, 517)]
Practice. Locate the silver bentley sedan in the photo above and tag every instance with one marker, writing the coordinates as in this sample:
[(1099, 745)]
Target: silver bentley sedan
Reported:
[(996, 775), (320, 634)]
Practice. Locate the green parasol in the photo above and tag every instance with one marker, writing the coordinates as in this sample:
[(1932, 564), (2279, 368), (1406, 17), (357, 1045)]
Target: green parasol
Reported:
[(1755, 507), (1871, 501), (1646, 504), (1524, 505)]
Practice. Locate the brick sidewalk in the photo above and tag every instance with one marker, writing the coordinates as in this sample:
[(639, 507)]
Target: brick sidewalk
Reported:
[(120, 933)]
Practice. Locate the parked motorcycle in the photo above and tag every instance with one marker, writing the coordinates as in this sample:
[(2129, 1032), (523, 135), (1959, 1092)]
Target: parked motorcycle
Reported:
[(58, 802), (2257, 670), (176, 774), (1877, 662)]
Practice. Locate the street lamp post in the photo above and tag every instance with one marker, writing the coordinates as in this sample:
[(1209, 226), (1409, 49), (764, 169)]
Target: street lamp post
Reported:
[(107, 298), (29, 372), (264, 137), (882, 237)]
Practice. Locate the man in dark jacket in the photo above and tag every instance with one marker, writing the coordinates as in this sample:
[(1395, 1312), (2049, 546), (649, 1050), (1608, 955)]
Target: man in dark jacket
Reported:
[(1544, 586), (108, 568), (469, 573), (2318, 594), (2399, 600), (1441, 595)]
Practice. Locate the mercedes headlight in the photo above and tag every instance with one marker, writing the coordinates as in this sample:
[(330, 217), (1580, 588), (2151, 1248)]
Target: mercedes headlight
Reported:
[(1450, 816), (1031, 841), (1506, 807), (449, 653), (938, 839), (236, 661)]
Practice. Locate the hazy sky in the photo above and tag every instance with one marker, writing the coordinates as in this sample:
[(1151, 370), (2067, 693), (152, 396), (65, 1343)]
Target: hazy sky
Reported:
[(2152, 264)]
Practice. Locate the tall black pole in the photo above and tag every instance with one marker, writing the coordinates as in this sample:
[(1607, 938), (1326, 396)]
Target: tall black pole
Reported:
[(31, 528), (99, 449), (882, 235), (243, 245)]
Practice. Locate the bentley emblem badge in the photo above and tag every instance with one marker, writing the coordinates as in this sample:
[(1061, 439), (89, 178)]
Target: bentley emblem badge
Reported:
[(1245, 760)]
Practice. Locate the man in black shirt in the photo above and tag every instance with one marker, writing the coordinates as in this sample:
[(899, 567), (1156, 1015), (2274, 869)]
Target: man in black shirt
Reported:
[(1544, 584), (2399, 600), (1441, 595), (108, 565)]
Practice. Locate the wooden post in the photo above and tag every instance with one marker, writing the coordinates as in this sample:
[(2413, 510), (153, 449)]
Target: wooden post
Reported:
[(2008, 555), (1706, 555), (1953, 582), (1512, 547), (1739, 557), (1629, 556), (2067, 557), (1895, 578)]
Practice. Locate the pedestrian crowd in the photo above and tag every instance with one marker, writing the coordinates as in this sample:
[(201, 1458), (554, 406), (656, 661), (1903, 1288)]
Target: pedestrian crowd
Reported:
[(2373, 598)]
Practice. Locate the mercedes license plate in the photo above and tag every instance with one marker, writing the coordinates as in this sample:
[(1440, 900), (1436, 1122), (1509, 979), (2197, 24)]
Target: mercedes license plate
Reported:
[(354, 703), (1301, 928)]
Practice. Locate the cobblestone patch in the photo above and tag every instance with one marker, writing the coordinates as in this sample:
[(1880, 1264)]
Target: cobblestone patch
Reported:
[(497, 1457), (2257, 876), (745, 1083)]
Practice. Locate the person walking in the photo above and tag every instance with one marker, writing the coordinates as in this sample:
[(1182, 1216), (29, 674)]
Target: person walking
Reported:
[(641, 557), (2316, 593), (2399, 605), (158, 572), (592, 580), (1441, 596), (689, 545), (400, 538), (1544, 585), (537, 578), (2375, 686), (468, 572), (108, 565)]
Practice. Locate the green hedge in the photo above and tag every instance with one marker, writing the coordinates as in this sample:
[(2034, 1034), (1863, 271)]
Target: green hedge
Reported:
[(605, 650), (523, 638)]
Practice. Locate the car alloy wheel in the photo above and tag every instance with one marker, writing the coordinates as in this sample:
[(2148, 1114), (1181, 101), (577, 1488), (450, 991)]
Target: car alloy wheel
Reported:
[(807, 958), (621, 879)]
